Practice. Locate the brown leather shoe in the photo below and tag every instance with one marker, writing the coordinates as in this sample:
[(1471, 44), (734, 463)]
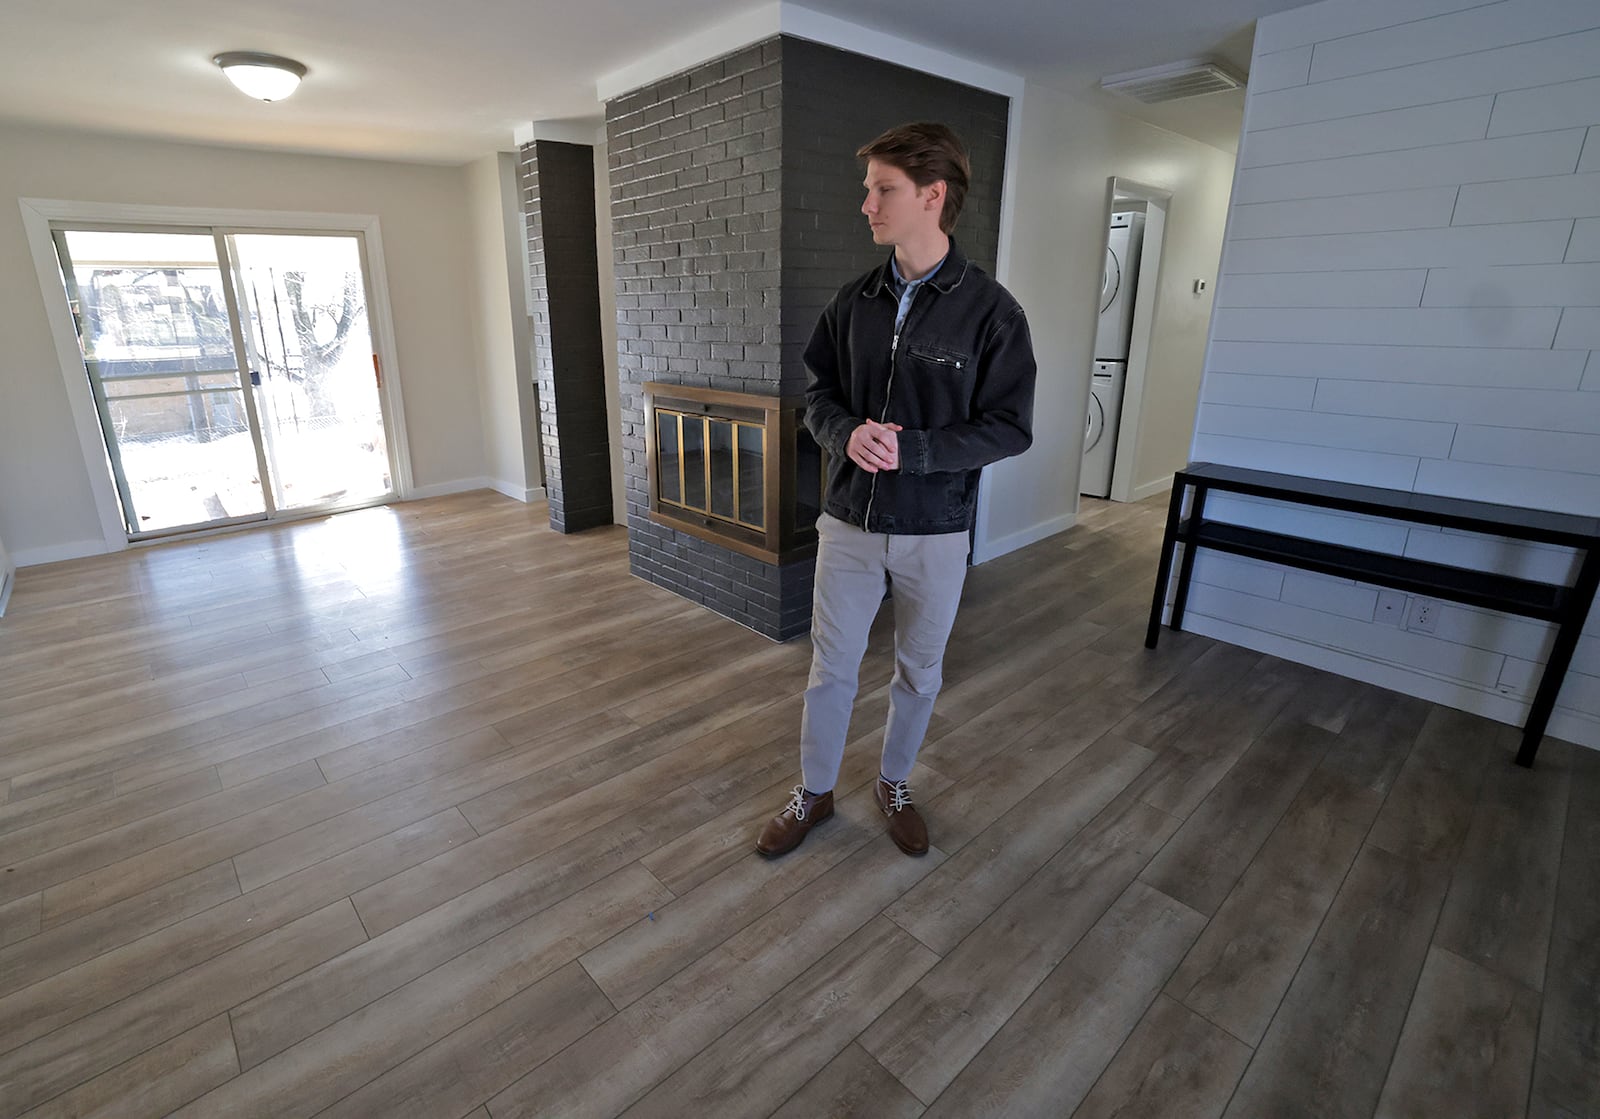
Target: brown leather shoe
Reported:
[(784, 831), (906, 828)]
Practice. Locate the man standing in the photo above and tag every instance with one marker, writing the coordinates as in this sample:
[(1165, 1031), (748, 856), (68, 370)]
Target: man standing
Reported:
[(921, 373)]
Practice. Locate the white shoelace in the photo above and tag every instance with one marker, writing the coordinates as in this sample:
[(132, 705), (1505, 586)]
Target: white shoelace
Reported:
[(797, 802), (899, 796)]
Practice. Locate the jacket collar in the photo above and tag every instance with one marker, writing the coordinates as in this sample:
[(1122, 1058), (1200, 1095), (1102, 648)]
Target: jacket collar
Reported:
[(946, 280)]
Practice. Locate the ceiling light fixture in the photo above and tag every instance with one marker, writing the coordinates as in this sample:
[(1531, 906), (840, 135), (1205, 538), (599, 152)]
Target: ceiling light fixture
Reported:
[(264, 76)]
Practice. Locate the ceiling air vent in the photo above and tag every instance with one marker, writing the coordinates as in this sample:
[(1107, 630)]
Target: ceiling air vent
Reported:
[(1174, 81)]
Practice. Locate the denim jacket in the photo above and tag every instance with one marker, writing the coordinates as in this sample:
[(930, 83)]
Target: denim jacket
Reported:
[(958, 379)]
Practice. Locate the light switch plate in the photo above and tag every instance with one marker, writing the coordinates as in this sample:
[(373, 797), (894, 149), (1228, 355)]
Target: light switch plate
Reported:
[(1391, 608)]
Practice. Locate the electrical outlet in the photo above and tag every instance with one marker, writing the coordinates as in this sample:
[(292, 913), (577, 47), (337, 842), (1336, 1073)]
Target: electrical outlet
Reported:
[(1424, 615), (1391, 608)]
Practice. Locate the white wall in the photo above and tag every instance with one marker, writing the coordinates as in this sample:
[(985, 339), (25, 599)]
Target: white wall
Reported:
[(500, 328), (1193, 243), (1410, 297), (1068, 150), (46, 508)]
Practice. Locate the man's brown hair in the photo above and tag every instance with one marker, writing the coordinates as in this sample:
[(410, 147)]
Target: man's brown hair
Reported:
[(927, 152)]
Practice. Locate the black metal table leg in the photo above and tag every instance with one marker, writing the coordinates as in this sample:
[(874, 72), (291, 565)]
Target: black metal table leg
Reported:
[(1164, 567), (1186, 568), (1555, 670)]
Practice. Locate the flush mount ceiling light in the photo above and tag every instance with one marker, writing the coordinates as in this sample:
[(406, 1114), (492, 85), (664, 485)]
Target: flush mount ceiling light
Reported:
[(1174, 81), (264, 76)]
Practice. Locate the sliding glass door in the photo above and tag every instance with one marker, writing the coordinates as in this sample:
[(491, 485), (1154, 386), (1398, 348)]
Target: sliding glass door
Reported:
[(233, 373), (313, 366), (159, 348)]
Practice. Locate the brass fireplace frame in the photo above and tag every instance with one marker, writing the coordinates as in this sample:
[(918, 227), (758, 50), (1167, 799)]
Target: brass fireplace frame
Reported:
[(779, 538)]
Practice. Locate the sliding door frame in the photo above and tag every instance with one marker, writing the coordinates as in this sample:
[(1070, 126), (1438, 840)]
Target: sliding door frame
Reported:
[(226, 252), (38, 213)]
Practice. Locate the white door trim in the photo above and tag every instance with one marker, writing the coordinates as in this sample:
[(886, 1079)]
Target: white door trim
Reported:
[(1123, 485), (38, 213)]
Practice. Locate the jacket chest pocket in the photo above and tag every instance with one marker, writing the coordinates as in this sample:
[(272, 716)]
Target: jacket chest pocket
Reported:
[(938, 357)]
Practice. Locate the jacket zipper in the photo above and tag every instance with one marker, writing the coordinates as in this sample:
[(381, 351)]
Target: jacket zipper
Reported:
[(937, 360), (872, 495)]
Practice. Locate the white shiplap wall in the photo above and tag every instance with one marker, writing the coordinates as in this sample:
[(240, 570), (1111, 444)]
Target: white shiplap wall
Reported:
[(1409, 296)]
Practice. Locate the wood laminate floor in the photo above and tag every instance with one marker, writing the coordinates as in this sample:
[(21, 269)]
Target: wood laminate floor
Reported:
[(427, 810)]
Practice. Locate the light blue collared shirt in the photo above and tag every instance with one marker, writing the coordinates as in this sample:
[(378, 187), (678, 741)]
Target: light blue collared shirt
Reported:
[(908, 288)]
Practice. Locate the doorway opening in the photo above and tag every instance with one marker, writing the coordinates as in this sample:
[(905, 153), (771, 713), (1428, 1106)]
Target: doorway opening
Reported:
[(1135, 224)]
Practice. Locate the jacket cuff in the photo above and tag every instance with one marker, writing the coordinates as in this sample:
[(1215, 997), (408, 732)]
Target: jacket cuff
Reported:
[(839, 432), (913, 452)]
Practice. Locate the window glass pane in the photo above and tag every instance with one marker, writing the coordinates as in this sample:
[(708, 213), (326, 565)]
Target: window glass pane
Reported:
[(667, 456), (188, 458), (150, 302), (752, 510), (152, 318), (721, 451), (694, 462), (311, 361)]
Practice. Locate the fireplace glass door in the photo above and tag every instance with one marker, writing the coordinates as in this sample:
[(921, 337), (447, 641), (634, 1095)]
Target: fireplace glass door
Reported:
[(712, 466)]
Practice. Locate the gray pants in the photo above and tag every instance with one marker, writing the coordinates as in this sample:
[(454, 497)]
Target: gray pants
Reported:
[(851, 567)]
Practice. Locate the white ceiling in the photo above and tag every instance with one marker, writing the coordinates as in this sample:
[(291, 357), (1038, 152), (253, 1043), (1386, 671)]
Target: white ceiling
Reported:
[(446, 82)]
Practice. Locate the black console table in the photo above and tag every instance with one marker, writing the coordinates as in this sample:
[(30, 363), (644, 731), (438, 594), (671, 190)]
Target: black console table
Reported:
[(1566, 605)]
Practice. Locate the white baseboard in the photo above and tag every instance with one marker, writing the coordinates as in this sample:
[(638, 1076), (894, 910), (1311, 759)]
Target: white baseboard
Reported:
[(55, 553), (1150, 489), (1571, 726), (1574, 726), (445, 489), (994, 549), (524, 494)]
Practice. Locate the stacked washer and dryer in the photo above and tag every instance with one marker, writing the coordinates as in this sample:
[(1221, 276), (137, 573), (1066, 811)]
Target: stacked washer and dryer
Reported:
[(1117, 287)]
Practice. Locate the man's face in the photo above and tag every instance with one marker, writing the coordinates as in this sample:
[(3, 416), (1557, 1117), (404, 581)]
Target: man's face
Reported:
[(896, 208)]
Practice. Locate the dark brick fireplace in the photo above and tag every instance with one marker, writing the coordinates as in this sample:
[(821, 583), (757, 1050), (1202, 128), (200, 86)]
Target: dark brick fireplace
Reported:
[(735, 200)]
